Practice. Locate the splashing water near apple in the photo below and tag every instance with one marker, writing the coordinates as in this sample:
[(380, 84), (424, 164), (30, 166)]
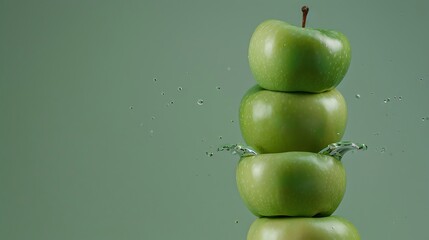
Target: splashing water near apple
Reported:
[(337, 150), (237, 149)]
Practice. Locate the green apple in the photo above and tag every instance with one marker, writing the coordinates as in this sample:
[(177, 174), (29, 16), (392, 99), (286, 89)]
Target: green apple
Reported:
[(295, 184), (284, 57), (273, 122), (327, 228)]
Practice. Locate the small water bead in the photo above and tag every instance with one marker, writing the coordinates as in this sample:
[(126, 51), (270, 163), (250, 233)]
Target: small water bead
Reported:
[(386, 100), (383, 150), (131, 107), (218, 87), (200, 102), (357, 96), (236, 221), (163, 93), (154, 79), (179, 89), (210, 154), (425, 119)]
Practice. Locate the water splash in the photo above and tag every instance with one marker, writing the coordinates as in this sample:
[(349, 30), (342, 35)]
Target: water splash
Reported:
[(239, 150), (339, 149)]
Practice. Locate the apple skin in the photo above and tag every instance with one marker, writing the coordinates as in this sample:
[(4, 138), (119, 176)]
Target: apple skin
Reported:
[(292, 184), (273, 122), (327, 228), (284, 57)]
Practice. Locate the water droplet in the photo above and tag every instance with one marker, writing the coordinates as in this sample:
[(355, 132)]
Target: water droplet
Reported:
[(210, 154), (170, 103), (425, 119), (236, 221), (131, 107), (179, 89), (154, 79), (232, 121), (220, 137), (200, 102), (218, 87), (153, 117), (386, 100), (400, 98), (162, 93), (357, 96), (383, 150)]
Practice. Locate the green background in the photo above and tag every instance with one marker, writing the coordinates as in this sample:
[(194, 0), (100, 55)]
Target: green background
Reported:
[(93, 147)]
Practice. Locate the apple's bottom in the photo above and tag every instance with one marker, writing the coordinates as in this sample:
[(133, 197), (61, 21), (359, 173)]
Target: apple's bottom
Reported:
[(324, 228)]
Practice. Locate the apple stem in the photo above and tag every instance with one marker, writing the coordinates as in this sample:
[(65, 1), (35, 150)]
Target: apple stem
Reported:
[(304, 10)]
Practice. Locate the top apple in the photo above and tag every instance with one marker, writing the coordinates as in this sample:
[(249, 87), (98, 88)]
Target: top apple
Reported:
[(288, 58)]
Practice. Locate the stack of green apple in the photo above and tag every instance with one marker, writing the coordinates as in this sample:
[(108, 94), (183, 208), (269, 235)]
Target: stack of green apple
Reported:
[(292, 113)]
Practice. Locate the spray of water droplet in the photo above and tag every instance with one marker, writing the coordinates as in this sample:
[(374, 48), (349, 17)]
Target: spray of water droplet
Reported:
[(357, 96), (239, 150), (200, 102), (339, 149)]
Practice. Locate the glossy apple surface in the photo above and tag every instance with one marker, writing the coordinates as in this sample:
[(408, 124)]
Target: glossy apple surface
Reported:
[(295, 184), (273, 122), (284, 57), (327, 228)]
